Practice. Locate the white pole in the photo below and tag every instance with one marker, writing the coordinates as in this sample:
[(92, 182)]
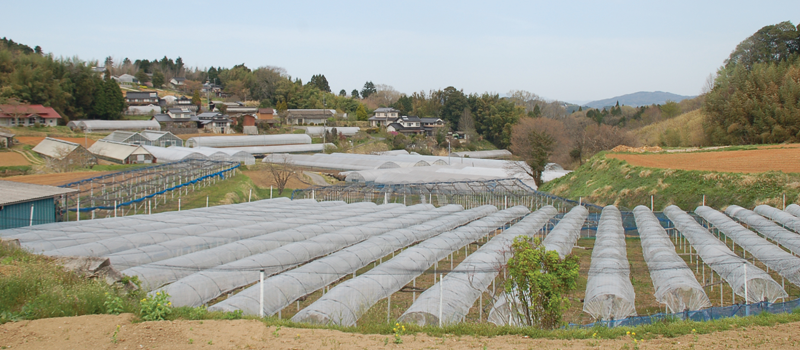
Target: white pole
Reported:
[(30, 223), (78, 211), (206, 201), (744, 265), (149, 208), (270, 191), (651, 203), (115, 209), (389, 309), (704, 200), (441, 300), (250, 196), (261, 295), (179, 204)]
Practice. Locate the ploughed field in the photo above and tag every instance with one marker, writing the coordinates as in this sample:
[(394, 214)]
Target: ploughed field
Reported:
[(785, 158)]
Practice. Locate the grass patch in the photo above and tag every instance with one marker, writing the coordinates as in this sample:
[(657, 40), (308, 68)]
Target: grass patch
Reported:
[(14, 170), (32, 286), (604, 181)]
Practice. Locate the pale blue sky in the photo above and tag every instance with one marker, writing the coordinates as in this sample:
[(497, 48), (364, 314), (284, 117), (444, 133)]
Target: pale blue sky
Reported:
[(568, 50)]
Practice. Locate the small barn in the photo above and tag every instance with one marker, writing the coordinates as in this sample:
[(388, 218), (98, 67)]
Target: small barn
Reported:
[(64, 154), (147, 137), (121, 153), (6, 139), (26, 204)]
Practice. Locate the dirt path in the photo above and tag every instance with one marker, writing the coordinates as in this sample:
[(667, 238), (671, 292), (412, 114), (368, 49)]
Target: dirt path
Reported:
[(317, 179), (102, 332), (785, 158)]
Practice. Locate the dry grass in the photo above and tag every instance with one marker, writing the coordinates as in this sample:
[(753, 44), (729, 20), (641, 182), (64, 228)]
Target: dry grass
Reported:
[(688, 125)]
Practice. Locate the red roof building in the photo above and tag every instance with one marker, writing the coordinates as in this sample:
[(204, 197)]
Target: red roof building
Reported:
[(28, 115)]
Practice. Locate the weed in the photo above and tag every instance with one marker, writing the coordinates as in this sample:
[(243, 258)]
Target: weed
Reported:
[(210, 342), (398, 331), (275, 332), (114, 336), (156, 308), (114, 304), (191, 341)]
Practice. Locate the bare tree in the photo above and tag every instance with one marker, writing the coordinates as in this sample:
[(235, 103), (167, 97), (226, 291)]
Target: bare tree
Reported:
[(534, 141), (467, 124), (282, 169)]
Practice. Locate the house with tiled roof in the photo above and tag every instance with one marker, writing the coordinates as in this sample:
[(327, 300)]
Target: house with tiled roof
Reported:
[(406, 125), (28, 115), (383, 117)]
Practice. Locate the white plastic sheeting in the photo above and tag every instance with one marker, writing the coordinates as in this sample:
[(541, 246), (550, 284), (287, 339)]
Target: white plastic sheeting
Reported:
[(491, 154), (769, 229), (299, 148), (316, 131), (189, 244), (673, 280), (561, 239), (793, 209), (785, 219), (249, 140), (609, 292), (463, 286), (167, 155), (564, 235), (785, 264), (128, 224), (99, 125), (281, 290), (68, 234), (201, 287), (724, 262), (166, 271), (222, 154), (105, 243), (345, 303)]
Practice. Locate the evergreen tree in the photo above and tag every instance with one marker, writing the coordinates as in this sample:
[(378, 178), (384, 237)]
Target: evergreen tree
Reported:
[(354, 94), (158, 79), (361, 112), (369, 89), (342, 93)]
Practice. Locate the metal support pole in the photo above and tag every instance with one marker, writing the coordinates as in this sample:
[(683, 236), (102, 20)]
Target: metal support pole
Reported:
[(441, 296), (30, 223), (179, 204), (261, 294)]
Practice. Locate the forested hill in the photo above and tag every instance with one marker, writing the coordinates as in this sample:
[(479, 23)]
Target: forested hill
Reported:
[(641, 98)]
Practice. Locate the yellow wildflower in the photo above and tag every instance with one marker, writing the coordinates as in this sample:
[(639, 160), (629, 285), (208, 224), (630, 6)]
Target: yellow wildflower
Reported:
[(628, 332)]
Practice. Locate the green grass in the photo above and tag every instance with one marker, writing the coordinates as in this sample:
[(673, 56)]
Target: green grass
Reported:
[(606, 181), (14, 170)]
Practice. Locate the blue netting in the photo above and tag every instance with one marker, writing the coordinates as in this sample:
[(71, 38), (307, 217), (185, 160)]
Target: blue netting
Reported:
[(708, 314)]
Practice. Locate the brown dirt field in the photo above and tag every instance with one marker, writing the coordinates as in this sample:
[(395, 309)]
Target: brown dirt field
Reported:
[(263, 178), (102, 332), (12, 159), (34, 140), (785, 158), (55, 179)]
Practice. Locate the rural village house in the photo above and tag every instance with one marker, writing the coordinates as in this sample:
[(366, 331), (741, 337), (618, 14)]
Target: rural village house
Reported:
[(28, 115)]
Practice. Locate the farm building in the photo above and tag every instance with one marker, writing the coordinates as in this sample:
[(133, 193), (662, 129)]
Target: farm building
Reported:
[(28, 115), (26, 204), (244, 141), (110, 125), (309, 116), (6, 139), (172, 154), (144, 110), (121, 153), (70, 154), (150, 138)]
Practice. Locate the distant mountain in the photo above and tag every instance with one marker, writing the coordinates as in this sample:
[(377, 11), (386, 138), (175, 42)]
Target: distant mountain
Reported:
[(636, 99)]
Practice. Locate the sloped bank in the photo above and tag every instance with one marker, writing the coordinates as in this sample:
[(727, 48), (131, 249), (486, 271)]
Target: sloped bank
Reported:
[(602, 181)]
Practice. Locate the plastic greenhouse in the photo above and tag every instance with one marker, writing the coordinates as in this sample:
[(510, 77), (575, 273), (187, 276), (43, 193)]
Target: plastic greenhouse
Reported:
[(730, 267), (673, 280), (348, 301), (609, 292), (249, 140)]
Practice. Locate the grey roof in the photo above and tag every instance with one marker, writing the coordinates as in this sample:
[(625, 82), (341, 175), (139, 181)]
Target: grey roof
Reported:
[(4, 134), (430, 120), (410, 118), (164, 118), (119, 135), (208, 115), (18, 192), (140, 94), (385, 110)]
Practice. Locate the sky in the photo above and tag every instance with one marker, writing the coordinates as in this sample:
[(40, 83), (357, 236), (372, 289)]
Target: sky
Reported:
[(576, 51)]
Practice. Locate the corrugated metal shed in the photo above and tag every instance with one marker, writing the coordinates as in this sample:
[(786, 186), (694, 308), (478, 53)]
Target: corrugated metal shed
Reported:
[(18, 199), (55, 148)]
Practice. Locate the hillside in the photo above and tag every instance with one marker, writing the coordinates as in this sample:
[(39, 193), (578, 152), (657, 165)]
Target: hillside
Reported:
[(636, 99), (603, 181), (685, 130)]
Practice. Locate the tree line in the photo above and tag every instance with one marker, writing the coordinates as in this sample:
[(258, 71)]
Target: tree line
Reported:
[(67, 84), (754, 96)]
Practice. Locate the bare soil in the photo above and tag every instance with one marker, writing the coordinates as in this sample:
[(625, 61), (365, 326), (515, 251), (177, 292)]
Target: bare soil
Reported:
[(55, 179), (785, 158), (12, 159), (120, 332), (263, 178)]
